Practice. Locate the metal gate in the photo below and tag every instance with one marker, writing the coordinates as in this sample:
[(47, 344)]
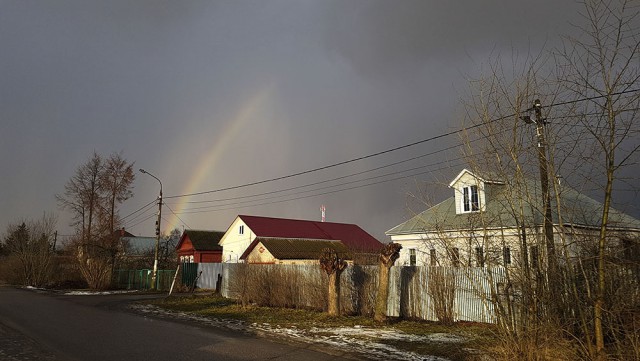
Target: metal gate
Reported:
[(189, 274)]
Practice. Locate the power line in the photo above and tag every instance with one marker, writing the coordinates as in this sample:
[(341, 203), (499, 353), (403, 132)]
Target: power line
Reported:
[(139, 209), (391, 149), (328, 180), (329, 187), (147, 212), (142, 221), (323, 167), (174, 213), (350, 175), (324, 193)]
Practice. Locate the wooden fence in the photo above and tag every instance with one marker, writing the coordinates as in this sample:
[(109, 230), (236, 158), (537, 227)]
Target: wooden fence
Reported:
[(412, 289)]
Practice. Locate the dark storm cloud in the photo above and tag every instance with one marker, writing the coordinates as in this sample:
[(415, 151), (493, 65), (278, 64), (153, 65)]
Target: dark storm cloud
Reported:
[(166, 82), (390, 38)]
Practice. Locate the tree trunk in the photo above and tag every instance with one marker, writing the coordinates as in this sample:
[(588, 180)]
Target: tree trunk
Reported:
[(380, 314), (333, 265), (333, 300), (388, 256)]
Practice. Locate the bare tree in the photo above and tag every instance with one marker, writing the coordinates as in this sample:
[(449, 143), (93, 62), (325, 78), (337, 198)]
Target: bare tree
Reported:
[(603, 67), (92, 195), (591, 97)]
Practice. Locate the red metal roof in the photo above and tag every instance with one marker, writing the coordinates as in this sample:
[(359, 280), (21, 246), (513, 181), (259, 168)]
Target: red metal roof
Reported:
[(351, 235)]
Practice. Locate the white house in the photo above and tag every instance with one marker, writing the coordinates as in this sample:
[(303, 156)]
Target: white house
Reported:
[(245, 229), (489, 220)]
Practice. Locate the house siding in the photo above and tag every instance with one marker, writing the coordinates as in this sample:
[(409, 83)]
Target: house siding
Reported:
[(233, 243)]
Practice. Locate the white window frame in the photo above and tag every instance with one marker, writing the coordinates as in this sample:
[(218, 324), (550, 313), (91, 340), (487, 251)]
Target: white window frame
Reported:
[(241, 229), (470, 199), (413, 259)]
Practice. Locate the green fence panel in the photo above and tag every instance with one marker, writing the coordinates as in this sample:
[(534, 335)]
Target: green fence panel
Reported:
[(140, 279), (189, 273)]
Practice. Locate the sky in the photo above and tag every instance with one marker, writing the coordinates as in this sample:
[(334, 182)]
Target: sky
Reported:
[(207, 95)]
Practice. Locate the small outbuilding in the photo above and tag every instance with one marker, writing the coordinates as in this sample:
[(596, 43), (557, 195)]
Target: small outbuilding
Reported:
[(198, 246), (291, 251)]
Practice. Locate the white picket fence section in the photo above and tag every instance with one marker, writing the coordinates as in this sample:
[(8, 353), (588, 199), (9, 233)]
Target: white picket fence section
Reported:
[(408, 288)]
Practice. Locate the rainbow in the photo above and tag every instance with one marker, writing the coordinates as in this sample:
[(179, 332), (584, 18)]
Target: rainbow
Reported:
[(210, 159)]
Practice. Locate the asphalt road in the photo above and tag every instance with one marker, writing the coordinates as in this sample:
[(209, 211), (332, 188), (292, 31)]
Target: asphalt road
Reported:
[(44, 326)]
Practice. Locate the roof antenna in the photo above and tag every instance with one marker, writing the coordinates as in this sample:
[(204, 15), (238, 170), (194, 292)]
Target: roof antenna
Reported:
[(323, 209)]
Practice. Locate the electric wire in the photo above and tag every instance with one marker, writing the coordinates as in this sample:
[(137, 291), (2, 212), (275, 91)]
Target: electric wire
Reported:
[(325, 187), (392, 149), (324, 193), (236, 204), (174, 213), (138, 210)]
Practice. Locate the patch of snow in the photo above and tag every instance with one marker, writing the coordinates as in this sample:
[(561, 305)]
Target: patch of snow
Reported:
[(357, 339), (95, 293)]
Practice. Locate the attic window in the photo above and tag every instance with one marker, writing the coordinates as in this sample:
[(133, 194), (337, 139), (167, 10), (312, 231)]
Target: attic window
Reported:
[(241, 230), (470, 199)]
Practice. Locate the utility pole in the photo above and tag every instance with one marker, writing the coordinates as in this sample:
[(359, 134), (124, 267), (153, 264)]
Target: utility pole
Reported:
[(540, 122), (154, 275)]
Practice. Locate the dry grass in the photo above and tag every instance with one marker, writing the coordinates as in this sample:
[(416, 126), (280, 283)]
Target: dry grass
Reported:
[(476, 336)]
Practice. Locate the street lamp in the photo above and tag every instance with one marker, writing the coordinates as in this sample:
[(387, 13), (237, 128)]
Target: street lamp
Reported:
[(155, 258)]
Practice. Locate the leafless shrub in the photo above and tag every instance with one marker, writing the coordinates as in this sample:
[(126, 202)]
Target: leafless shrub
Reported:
[(30, 254), (359, 291), (442, 289)]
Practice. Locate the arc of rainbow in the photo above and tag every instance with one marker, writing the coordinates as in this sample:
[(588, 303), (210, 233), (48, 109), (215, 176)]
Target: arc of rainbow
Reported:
[(211, 158)]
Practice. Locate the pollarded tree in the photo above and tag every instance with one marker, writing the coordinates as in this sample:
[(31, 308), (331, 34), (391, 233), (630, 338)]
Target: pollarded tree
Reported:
[(333, 265), (388, 256)]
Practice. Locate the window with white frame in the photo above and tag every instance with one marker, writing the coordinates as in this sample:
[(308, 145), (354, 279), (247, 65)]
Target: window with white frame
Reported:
[(241, 229), (412, 256), (470, 199)]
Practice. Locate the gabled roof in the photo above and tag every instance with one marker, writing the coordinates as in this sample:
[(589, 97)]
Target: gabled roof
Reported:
[(351, 235), (202, 240), (287, 248), (486, 177), (138, 245), (503, 207), (122, 233)]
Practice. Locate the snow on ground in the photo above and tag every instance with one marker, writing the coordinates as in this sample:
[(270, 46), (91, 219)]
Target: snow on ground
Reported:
[(359, 339), (80, 293), (95, 293)]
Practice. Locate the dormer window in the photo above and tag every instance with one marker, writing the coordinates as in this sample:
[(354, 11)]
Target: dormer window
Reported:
[(471, 192), (470, 199)]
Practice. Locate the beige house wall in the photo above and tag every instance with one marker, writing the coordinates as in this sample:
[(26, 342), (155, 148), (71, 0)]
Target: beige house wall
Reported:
[(234, 243)]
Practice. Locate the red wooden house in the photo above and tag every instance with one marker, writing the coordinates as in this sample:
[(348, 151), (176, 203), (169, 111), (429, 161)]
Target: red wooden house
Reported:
[(197, 246)]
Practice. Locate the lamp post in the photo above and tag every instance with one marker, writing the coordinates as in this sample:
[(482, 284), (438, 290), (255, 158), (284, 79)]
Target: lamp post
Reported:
[(155, 258)]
